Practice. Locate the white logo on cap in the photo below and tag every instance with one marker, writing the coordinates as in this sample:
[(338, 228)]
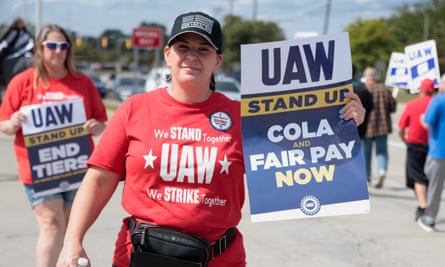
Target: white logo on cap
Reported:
[(197, 21)]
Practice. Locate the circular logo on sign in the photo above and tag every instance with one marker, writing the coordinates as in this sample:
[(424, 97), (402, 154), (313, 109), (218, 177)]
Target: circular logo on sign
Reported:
[(310, 205), (64, 185), (221, 121)]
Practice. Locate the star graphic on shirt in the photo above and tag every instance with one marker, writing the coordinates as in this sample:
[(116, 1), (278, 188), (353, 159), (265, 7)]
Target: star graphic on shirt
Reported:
[(225, 165), (149, 159)]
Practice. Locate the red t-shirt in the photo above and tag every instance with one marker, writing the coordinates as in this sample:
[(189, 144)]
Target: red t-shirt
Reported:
[(182, 164), (410, 120), (21, 93)]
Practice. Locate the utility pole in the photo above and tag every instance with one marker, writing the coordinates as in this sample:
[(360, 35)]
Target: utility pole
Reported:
[(24, 11), (426, 19), (326, 18), (254, 9), (426, 24), (38, 19)]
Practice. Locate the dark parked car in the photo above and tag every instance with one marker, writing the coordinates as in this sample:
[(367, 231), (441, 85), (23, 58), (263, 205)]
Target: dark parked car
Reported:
[(97, 82), (125, 86)]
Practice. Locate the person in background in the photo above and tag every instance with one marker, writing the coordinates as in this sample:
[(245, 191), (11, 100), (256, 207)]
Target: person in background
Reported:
[(434, 121), (367, 102), (16, 51), (148, 144), (379, 125), (52, 79), (415, 137)]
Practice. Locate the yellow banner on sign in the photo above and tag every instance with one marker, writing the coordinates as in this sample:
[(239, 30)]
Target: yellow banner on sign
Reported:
[(54, 136), (264, 105)]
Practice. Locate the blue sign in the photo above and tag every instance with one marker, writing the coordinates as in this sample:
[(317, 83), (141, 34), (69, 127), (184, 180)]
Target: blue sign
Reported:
[(301, 159)]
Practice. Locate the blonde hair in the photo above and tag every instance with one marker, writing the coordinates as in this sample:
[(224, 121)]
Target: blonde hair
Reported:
[(41, 72)]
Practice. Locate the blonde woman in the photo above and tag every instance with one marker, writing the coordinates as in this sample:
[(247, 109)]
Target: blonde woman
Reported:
[(52, 79)]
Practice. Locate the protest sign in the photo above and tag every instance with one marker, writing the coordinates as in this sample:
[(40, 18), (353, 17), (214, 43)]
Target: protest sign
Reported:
[(397, 73), (58, 146), (301, 159), (422, 62)]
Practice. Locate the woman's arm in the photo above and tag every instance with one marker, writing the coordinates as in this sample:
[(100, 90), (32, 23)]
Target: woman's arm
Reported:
[(94, 193)]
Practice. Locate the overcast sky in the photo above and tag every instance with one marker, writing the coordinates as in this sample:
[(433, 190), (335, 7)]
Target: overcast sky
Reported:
[(92, 17)]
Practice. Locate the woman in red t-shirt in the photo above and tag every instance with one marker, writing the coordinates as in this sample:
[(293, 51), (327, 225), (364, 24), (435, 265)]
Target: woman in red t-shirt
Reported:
[(179, 151), (52, 79)]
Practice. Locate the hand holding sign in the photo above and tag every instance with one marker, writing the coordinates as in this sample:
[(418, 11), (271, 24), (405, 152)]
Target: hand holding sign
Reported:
[(354, 109), (302, 151), (17, 118)]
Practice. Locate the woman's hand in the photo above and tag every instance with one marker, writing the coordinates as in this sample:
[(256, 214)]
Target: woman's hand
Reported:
[(353, 109), (67, 259), (12, 125), (94, 127)]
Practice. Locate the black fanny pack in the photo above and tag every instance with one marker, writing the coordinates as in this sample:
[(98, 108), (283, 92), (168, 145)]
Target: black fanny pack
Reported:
[(166, 247)]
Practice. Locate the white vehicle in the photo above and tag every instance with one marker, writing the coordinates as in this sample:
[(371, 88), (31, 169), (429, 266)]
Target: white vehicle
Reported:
[(158, 77), (124, 86), (228, 86)]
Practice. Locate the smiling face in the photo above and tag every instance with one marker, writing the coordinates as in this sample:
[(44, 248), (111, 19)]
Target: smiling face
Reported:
[(192, 60)]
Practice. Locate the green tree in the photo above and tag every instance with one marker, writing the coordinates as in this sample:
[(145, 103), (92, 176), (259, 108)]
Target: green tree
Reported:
[(411, 22), (238, 31), (87, 51), (407, 26), (371, 41), (437, 28)]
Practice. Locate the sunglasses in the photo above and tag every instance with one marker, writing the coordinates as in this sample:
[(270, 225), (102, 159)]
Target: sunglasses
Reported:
[(55, 45)]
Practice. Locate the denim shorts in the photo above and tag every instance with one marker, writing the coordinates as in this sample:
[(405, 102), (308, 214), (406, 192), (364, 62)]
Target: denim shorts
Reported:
[(67, 196)]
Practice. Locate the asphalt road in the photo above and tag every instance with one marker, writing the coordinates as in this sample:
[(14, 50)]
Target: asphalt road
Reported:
[(387, 236)]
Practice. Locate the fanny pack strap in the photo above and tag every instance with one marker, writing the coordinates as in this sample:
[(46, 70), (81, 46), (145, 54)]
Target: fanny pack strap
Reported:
[(219, 246), (216, 248)]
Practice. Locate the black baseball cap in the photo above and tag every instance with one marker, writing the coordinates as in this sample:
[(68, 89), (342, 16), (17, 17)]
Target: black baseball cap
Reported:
[(199, 23)]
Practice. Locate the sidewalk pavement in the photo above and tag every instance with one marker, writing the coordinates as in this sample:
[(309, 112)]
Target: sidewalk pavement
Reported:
[(387, 236)]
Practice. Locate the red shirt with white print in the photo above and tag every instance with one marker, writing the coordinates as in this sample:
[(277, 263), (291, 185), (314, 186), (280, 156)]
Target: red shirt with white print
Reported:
[(182, 164)]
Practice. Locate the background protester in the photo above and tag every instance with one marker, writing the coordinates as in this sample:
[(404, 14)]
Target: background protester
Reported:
[(379, 125), (415, 137), (16, 51), (434, 122), (367, 102)]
